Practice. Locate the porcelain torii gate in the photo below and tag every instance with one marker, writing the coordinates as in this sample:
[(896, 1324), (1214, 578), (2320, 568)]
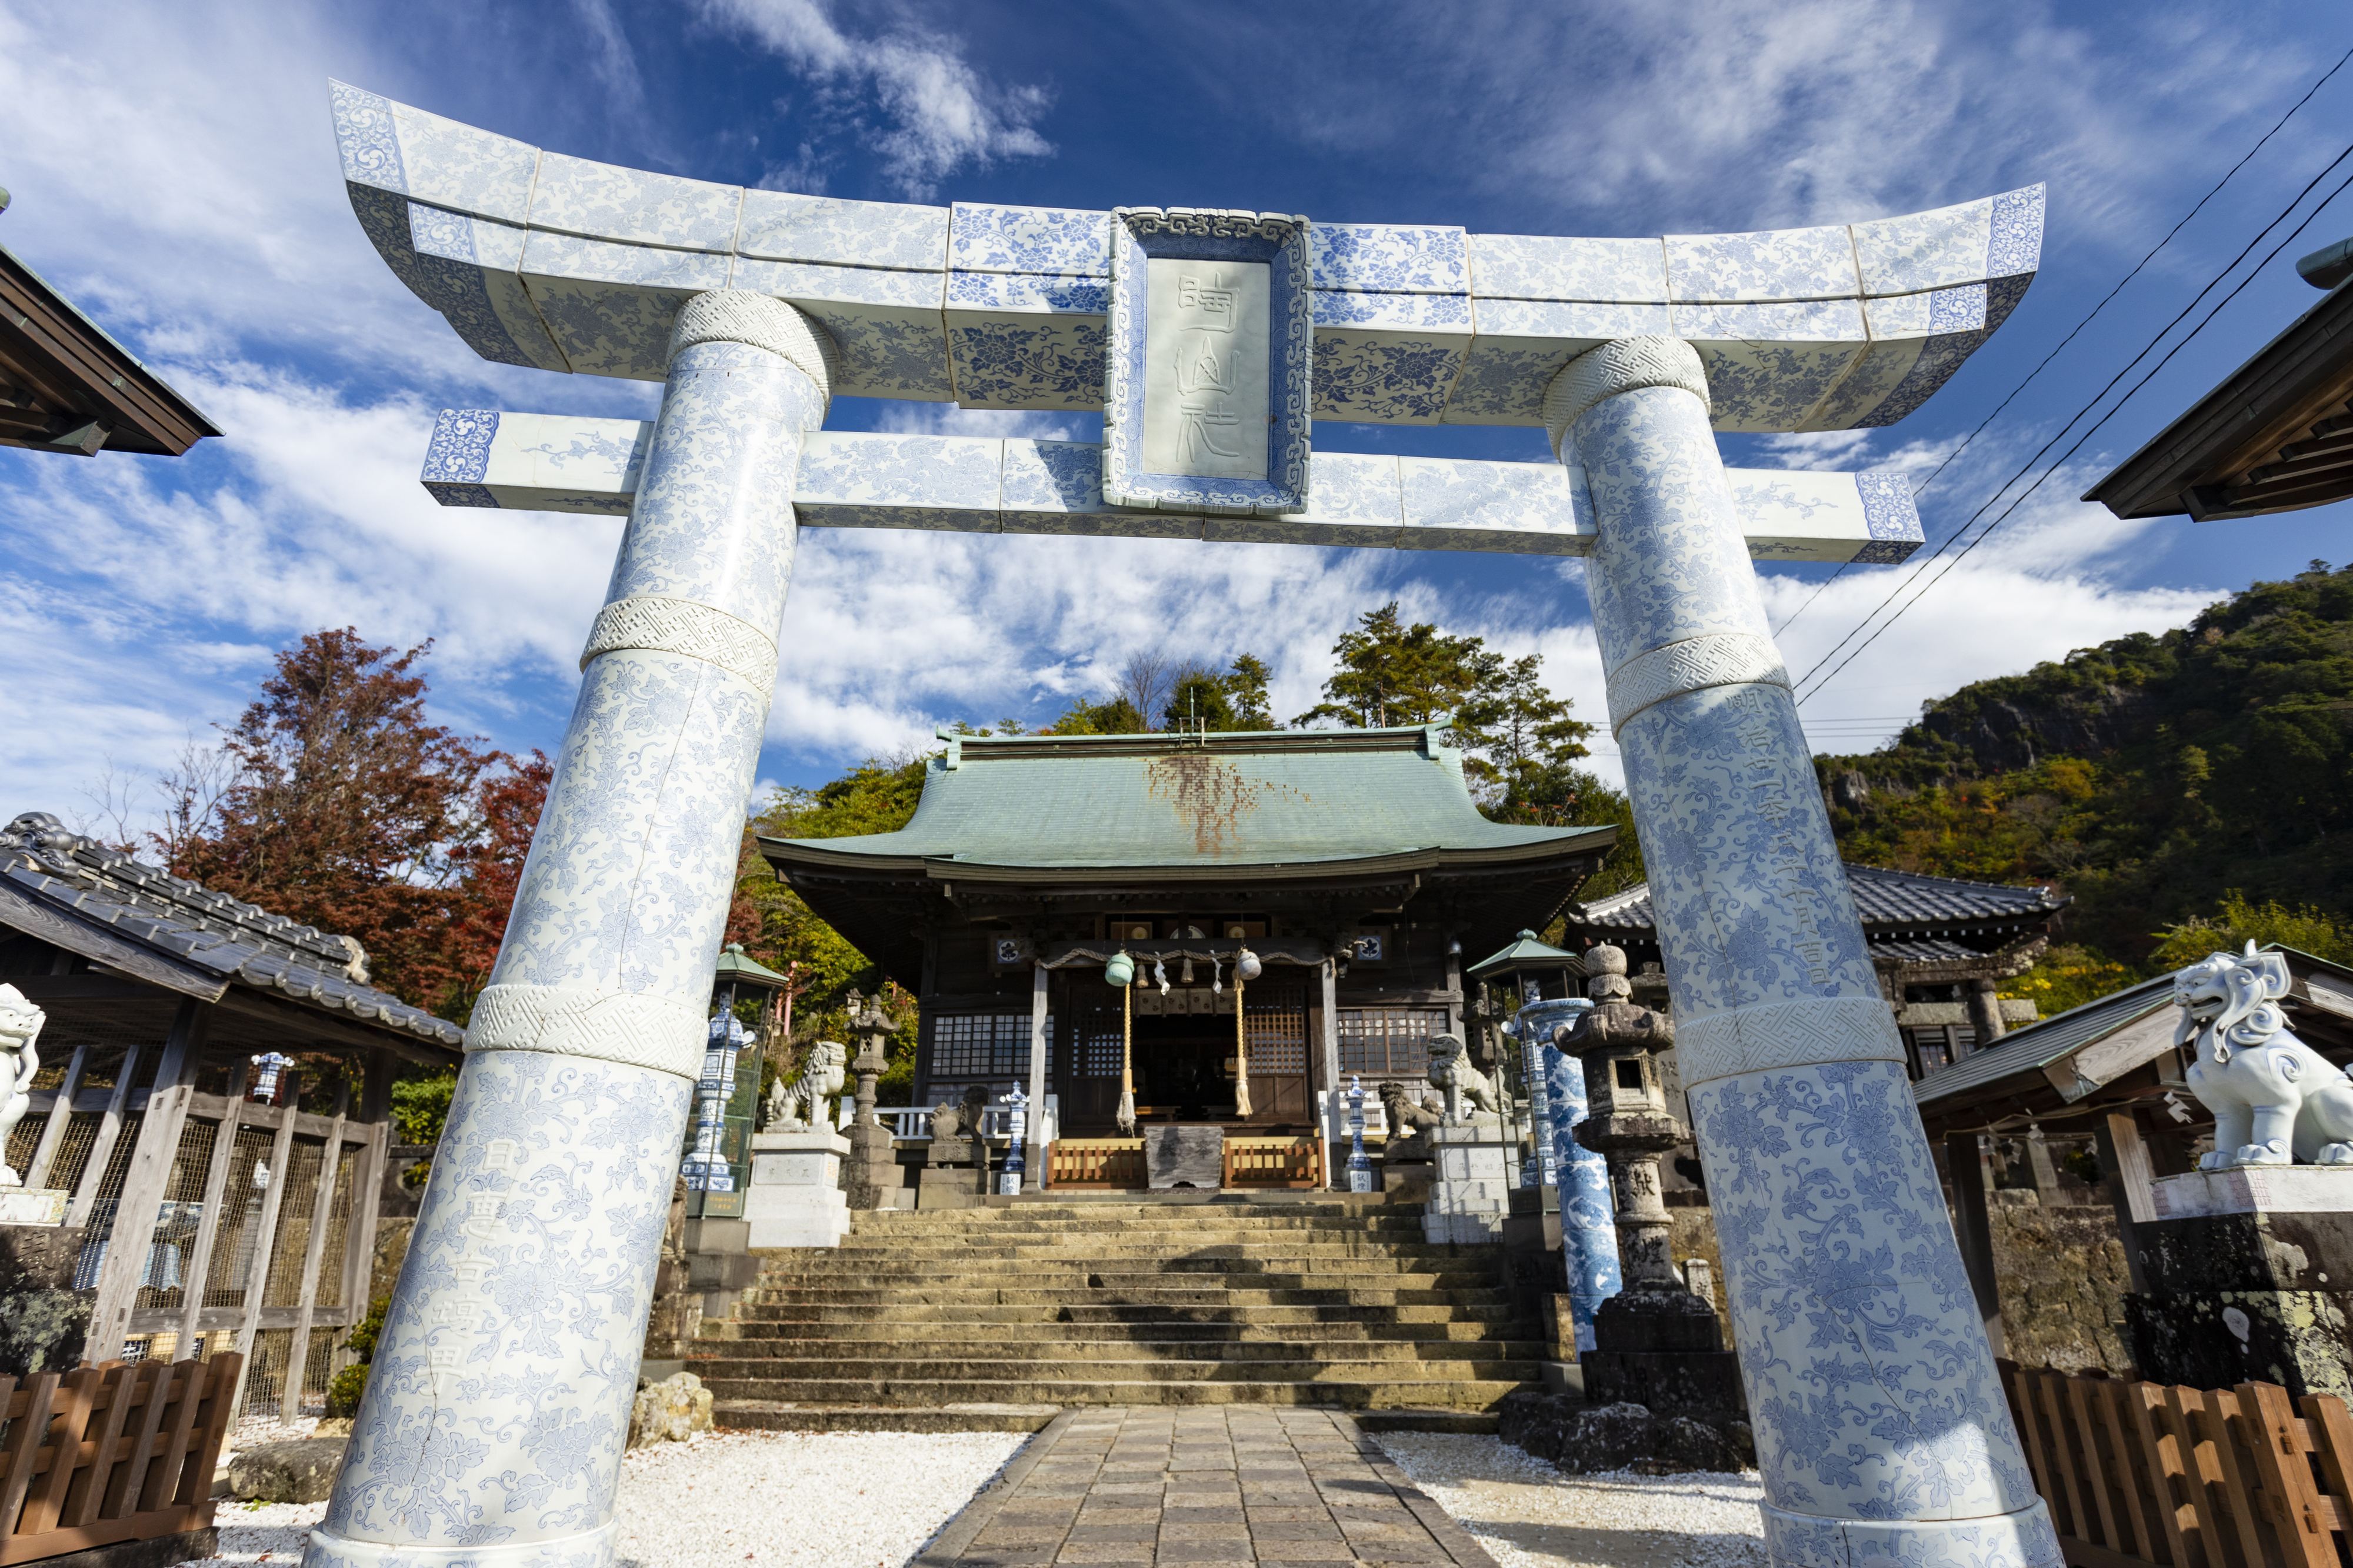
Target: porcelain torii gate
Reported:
[(493, 1423)]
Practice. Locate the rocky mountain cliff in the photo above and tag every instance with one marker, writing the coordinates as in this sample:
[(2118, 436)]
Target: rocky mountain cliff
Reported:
[(2147, 775)]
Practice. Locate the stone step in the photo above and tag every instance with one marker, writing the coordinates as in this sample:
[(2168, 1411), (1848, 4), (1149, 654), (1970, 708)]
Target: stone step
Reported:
[(730, 1371), (1373, 1393), (1143, 1218), (904, 1313), (1041, 1278), (743, 1353), (1137, 1295), (1354, 1332), (772, 1415), (1204, 1252)]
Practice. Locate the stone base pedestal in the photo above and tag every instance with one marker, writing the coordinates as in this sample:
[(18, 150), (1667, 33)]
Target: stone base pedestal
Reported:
[(43, 1319), (871, 1178), (1472, 1179), (954, 1173), (2249, 1277), (796, 1197), (1663, 1350), (1185, 1157)]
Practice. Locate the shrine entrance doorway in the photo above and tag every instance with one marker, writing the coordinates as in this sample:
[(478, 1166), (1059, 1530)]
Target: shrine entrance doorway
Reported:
[(1182, 1057)]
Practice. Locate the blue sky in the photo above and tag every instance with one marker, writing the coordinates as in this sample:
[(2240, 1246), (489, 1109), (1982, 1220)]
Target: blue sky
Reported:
[(172, 170)]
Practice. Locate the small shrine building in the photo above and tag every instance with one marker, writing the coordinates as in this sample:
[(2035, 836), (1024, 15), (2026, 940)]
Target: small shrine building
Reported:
[(1353, 863)]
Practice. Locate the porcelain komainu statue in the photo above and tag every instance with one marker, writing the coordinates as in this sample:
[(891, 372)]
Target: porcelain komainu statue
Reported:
[(1451, 1069), (2274, 1099), (797, 1106), (20, 1027)]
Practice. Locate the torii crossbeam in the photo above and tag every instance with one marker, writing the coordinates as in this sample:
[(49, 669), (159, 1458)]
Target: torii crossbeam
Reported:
[(495, 1414)]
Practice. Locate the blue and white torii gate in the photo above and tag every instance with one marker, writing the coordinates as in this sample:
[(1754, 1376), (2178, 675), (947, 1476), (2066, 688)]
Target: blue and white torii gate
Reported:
[(496, 1412)]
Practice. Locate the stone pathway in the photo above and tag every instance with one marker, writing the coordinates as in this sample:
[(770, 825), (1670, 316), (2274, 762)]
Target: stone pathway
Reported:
[(1210, 1486)]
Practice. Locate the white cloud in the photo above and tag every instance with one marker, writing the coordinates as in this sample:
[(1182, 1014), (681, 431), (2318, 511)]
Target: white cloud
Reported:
[(940, 115)]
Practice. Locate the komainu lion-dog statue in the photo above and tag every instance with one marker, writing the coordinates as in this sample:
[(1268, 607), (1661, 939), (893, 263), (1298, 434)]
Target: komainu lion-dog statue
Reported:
[(799, 1105), (2274, 1099), (1451, 1069)]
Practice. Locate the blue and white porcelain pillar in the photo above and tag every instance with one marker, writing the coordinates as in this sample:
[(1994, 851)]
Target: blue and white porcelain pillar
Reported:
[(1882, 1432), (497, 1405)]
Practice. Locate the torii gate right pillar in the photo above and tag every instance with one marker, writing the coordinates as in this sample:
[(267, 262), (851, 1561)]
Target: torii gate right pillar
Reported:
[(1882, 1430)]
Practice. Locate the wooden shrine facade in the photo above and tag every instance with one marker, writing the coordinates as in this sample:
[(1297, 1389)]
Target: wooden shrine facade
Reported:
[(1353, 863), (215, 1095)]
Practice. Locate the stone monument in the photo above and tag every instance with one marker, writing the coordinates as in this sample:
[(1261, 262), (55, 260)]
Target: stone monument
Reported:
[(1656, 1342), (1185, 1156), (1880, 1429), (2248, 1265), (956, 1163)]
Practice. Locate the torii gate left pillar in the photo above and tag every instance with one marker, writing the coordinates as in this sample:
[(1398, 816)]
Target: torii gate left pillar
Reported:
[(498, 1403)]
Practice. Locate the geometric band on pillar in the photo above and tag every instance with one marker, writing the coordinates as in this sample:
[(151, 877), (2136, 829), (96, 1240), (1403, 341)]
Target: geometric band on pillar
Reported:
[(1766, 1035), (1723, 659), (635, 1028), (1626, 365), (687, 628)]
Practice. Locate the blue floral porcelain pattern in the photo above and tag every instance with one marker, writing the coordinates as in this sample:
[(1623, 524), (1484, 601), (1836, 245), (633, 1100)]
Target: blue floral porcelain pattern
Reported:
[(1524, 508), (574, 196), (1053, 241), (778, 225), (1589, 1229), (869, 481), (1384, 378), (1530, 267), (460, 452), (1871, 1389), (1388, 258), (497, 1405), (1393, 319), (1782, 264), (1029, 362)]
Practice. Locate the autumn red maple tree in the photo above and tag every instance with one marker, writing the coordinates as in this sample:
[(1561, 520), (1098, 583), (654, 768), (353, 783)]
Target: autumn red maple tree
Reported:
[(340, 805)]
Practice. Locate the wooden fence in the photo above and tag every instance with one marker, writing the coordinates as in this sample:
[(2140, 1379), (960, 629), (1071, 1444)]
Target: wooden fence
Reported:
[(1275, 1163), (1104, 1164), (111, 1453), (2142, 1473)]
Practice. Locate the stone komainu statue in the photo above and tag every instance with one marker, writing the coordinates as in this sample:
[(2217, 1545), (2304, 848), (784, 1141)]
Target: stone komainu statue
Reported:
[(960, 1121), (1408, 1116), (1451, 1069), (819, 1082), (2274, 1099), (20, 1028)]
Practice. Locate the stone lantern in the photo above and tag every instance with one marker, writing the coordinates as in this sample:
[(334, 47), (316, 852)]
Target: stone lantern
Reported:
[(871, 1176), (1656, 1343)]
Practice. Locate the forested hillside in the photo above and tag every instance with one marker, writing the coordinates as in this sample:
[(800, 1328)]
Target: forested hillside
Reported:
[(2152, 778)]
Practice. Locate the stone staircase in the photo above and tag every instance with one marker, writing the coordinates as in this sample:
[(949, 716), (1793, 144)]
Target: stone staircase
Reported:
[(997, 1317)]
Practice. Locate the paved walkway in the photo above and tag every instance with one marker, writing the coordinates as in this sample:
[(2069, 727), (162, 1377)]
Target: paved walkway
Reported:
[(1208, 1486)]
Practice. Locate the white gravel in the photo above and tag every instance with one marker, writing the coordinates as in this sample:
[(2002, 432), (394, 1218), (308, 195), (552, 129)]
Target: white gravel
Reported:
[(822, 1500), (1529, 1515)]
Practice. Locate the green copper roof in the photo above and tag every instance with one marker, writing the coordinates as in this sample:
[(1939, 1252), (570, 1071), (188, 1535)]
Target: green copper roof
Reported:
[(1525, 952), (735, 967), (1260, 798)]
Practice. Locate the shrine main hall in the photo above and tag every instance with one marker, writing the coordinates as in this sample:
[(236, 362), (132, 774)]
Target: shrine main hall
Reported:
[(1353, 863)]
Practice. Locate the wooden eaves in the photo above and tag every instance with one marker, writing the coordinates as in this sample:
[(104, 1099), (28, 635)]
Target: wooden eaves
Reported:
[(66, 386)]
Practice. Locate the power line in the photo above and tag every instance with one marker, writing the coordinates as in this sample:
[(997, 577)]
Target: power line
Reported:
[(2086, 321), (2093, 429), (1922, 565)]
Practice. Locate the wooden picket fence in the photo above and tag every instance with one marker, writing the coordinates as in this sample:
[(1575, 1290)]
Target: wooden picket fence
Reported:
[(1274, 1161), (1101, 1164), (2185, 1477), (111, 1453)]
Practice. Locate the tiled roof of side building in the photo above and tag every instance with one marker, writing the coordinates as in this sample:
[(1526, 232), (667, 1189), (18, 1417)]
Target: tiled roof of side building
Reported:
[(190, 924), (2032, 1046), (1234, 800), (1882, 897)]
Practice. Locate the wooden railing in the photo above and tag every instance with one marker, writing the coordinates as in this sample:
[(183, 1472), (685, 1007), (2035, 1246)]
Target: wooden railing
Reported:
[(2142, 1473), (1110, 1164), (111, 1453), (1274, 1161)]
